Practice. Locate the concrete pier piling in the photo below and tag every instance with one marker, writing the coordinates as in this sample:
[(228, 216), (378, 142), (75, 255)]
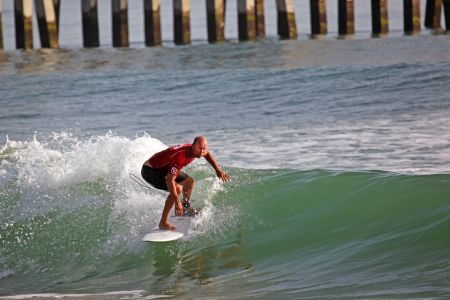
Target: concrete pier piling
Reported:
[(251, 20), (447, 14), (260, 19), (215, 11), (411, 16), (318, 17), (246, 20), (48, 27), (152, 22), (346, 17), (287, 28), (56, 7), (90, 23), (120, 23), (24, 25), (1, 25), (181, 22), (433, 12), (380, 20)]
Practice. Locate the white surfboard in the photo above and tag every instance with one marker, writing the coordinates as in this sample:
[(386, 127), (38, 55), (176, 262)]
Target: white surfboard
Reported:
[(182, 225), (158, 235)]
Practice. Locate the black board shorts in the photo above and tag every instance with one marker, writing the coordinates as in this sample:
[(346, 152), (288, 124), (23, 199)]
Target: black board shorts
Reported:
[(157, 178)]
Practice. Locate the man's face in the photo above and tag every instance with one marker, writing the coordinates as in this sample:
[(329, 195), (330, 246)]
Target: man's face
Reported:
[(199, 149)]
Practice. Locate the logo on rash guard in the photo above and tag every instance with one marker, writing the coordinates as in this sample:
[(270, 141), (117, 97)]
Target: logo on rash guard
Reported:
[(174, 170)]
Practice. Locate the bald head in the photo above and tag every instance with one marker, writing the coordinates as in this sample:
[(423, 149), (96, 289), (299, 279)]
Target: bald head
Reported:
[(199, 147), (200, 139)]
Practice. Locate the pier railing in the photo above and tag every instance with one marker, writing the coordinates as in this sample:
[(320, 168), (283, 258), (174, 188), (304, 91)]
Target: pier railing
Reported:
[(251, 20)]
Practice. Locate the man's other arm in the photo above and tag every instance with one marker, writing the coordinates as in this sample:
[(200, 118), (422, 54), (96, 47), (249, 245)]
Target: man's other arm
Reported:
[(221, 174)]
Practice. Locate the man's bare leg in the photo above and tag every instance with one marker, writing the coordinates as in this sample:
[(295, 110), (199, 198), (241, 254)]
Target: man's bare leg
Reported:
[(188, 186), (164, 223)]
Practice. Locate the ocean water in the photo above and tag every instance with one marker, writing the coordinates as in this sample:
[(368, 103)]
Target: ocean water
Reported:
[(339, 152)]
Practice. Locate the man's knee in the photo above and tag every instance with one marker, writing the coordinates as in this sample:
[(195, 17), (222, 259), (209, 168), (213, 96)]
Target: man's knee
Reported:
[(188, 183)]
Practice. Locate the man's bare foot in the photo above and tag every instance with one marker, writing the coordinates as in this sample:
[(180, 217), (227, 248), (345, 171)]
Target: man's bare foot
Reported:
[(166, 226)]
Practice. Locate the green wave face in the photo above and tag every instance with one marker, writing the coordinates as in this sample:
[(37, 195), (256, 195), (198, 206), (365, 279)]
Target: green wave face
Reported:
[(311, 233), (321, 233)]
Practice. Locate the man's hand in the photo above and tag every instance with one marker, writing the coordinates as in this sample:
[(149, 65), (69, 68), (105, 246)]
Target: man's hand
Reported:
[(222, 175), (212, 161), (179, 209)]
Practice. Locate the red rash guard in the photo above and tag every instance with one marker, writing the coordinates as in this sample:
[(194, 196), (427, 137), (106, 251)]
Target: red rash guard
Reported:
[(172, 160)]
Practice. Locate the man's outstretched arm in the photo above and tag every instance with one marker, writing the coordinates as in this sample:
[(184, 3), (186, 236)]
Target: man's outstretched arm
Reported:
[(221, 174)]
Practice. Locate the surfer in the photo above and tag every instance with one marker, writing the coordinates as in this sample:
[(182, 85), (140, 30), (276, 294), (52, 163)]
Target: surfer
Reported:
[(163, 171)]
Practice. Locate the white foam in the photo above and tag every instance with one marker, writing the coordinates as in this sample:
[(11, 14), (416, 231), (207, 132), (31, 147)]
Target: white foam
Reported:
[(6, 273), (65, 160), (135, 294), (213, 220), (43, 169)]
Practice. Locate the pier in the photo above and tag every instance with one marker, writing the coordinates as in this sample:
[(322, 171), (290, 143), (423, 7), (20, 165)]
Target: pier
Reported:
[(251, 20)]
